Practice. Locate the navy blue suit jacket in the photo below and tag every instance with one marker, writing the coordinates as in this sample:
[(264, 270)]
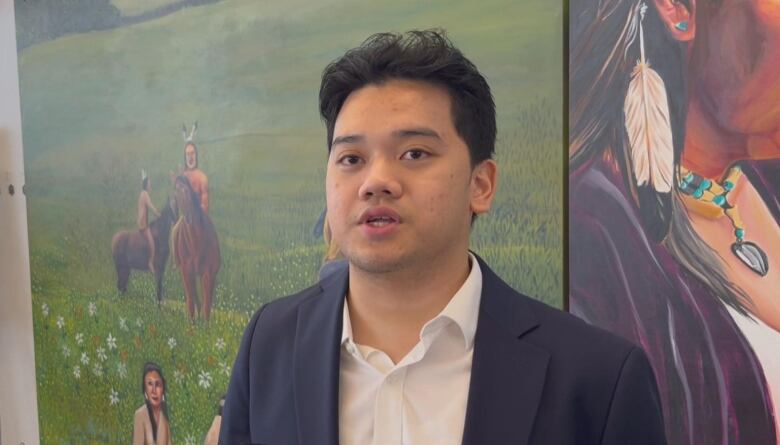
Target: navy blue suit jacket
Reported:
[(539, 375)]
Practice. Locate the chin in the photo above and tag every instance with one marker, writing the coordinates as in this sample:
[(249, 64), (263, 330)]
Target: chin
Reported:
[(377, 263)]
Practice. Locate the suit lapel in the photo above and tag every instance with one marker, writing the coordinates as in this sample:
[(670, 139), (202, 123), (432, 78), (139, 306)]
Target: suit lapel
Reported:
[(316, 363), (507, 373)]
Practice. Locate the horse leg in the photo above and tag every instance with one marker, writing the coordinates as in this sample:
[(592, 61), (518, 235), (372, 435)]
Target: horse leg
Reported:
[(208, 280), (190, 290), (122, 277)]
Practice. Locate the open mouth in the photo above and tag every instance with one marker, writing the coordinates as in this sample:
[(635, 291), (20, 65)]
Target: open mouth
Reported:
[(379, 217), (379, 221)]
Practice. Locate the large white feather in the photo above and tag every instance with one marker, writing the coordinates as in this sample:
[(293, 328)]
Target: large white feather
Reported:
[(647, 123), (649, 131)]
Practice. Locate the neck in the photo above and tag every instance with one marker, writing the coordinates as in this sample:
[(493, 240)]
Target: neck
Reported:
[(710, 149), (387, 311)]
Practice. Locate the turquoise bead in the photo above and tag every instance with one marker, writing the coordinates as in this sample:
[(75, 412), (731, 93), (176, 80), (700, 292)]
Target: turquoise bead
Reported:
[(740, 233), (728, 185), (719, 200), (682, 26), (706, 184), (698, 193)]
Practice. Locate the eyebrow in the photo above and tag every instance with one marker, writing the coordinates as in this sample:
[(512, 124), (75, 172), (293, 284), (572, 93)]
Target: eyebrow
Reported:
[(415, 132), (348, 139), (398, 134)]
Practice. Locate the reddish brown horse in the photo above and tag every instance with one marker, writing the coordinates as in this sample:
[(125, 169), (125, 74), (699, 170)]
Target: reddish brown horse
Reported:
[(131, 251), (195, 249)]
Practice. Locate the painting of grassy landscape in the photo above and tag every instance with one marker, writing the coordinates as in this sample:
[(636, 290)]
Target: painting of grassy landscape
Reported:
[(98, 107)]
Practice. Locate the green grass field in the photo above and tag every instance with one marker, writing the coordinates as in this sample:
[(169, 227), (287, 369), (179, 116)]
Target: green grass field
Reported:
[(99, 107)]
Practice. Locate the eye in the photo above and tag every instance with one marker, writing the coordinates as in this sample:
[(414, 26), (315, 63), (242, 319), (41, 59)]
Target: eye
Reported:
[(349, 160), (415, 154)]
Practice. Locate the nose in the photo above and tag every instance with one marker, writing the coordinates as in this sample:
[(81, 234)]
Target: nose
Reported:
[(380, 181)]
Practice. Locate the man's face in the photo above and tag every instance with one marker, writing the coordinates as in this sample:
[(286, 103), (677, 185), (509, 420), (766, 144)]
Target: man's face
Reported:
[(191, 156), (400, 187)]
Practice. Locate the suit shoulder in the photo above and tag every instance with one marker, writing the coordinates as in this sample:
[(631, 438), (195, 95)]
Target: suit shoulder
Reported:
[(284, 310), (569, 333)]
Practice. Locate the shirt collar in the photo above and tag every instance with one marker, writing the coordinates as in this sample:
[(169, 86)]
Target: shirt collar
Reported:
[(463, 308)]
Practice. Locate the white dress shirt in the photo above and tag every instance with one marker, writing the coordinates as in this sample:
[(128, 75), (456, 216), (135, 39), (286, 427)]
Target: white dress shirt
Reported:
[(422, 399)]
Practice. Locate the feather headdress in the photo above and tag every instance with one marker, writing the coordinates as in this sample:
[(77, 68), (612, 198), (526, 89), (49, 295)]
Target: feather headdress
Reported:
[(191, 137), (647, 123)]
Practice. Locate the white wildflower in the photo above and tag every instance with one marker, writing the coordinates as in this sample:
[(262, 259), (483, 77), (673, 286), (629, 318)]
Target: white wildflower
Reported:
[(220, 344), (224, 368), (178, 376), (204, 379), (121, 369), (45, 309), (84, 358), (79, 338), (171, 342), (97, 369), (111, 342), (60, 321), (113, 397), (92, 308), (77, 372), (139, 322), (65, 351), (122, 324), (101, 354), (189, 440)]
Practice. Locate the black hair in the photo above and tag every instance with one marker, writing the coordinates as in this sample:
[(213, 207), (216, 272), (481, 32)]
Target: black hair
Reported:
[(195, 201), (427, 56), (154, 367)]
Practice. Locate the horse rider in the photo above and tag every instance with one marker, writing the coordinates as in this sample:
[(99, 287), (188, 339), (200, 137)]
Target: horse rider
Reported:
[(144, 205), (197, 179)]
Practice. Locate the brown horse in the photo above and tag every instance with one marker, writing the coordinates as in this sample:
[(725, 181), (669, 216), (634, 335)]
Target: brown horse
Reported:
[(195, 249), (131, 251)]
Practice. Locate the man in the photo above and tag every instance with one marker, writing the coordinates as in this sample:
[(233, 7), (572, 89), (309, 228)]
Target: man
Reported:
[(198, 180), (418, 341), (145, 204)]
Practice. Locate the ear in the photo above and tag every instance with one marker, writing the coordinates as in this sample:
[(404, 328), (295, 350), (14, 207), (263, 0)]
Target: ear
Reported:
[(678, 19), (484, 179)]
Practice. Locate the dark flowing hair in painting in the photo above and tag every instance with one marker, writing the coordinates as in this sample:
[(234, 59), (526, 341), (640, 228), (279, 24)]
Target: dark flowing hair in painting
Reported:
[(606, 48), (154, 367)]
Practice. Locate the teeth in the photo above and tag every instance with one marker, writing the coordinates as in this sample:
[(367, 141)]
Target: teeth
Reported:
[(379, 221)]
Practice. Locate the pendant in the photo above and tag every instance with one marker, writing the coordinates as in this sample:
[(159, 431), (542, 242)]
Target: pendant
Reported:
[(752, 255)]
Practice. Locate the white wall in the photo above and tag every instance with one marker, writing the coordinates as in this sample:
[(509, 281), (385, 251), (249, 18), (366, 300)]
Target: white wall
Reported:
[(18, 400)]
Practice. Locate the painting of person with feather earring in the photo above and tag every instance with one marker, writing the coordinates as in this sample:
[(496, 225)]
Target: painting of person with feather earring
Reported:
[(674, 201)]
